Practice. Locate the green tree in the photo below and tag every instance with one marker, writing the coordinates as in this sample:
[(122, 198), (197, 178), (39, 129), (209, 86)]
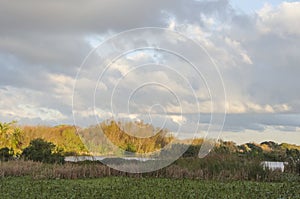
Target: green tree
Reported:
[(42, 151)]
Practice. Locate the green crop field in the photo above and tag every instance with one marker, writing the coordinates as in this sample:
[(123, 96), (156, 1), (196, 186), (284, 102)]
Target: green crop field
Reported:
[(124, 187)]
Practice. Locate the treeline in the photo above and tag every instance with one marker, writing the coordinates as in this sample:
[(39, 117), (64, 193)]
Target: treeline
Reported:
[(268, 150), (134, 137), (17, 138), (250, 152), (94, 140)]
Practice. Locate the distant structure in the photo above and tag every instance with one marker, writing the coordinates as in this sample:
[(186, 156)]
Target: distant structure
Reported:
[(100, 158), (274, 165)]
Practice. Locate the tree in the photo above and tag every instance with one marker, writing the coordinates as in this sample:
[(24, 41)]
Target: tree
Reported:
[(293, 158), (42, 151), (11, 136)]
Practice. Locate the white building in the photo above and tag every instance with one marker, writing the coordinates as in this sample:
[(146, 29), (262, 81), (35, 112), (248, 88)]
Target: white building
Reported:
[(274, 165)]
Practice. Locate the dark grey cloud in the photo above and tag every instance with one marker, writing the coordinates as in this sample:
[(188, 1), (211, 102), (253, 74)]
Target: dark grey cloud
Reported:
[(98, 16), (78, 16), (259, 122), (50, 50), (273, 77), (276, 75), (250, 121), (41, 37), (17, 73)]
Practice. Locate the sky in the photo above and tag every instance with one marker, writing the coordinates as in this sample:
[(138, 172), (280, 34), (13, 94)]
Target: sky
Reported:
[(216, 68), (247, 7)]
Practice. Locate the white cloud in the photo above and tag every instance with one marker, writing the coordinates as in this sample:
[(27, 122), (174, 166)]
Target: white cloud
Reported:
[(31, 112), (270, 134), (246, 58), (25, 104), (241, 106), (63, 85), (283, 19), (179, 119)]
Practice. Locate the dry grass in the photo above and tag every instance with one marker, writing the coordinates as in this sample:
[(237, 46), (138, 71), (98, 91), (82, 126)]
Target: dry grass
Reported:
[(37, 170)]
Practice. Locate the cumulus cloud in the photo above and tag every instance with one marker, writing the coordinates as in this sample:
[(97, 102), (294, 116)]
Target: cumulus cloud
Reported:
[(30, 105), (257, 55), (282, 19)]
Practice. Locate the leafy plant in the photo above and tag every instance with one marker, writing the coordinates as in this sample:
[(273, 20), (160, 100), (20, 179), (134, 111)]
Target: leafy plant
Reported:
[(11, 136), (6, 154), (42, 151)]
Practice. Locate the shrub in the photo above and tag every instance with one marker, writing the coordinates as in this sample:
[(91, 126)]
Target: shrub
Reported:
[(42, 151), (6, 154)]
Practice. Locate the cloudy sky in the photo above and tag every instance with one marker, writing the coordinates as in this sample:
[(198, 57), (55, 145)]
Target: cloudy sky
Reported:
[(205, 58)]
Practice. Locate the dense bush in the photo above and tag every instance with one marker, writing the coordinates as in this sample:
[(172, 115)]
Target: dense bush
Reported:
[(42, 151), (6, 154), (192, 151)]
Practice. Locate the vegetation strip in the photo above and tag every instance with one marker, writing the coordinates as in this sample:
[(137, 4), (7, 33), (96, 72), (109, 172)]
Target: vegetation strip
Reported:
[(124, 187)]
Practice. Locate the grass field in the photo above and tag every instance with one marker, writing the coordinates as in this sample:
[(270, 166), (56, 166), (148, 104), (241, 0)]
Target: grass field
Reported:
[(124, 187)]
